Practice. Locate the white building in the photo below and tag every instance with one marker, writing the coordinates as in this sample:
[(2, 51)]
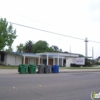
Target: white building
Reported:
[(48, 58)]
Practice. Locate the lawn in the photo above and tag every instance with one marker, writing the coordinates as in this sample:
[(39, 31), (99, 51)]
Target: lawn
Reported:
[(8, 67)]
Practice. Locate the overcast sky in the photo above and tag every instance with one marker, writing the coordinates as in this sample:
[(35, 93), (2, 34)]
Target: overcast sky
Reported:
[(78, 18)]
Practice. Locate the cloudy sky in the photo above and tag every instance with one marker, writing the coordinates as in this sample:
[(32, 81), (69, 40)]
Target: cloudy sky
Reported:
[(77, 18)]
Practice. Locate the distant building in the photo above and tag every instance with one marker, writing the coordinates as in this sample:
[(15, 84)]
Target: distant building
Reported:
[(48, 58)]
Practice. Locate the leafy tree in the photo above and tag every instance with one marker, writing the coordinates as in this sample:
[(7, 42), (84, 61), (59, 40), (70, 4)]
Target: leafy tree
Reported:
[(7, 34), (80, 55), (28, 47), (55, 48), (10, 49), (50, 49), (88, 62), (60, 50), (20, 47), (40, 46)]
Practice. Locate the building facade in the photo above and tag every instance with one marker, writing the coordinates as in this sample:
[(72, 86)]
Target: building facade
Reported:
[(47, 58)]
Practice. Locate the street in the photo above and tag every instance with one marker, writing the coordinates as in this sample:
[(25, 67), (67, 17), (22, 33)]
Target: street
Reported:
[(62, 86)]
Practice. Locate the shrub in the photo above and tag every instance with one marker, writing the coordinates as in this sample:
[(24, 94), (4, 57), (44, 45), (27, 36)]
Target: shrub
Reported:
[(88, 62), (74, 65), (97, 63)]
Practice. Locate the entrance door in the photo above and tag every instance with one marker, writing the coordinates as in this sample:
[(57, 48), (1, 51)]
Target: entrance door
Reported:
[(26, 60), (50, 61)]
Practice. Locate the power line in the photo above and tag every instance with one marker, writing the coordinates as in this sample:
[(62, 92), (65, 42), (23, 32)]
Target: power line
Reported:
[(94, 41), (51, 32), (40, 22), (30, 18), (46, 31)]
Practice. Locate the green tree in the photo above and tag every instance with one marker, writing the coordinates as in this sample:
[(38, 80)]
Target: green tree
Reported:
[(41, 46), (10, 49), (38, 47), (60, 50), (20, 47), (50, 49), (7, 34), (28, 46), (80, 55), (56, 48)]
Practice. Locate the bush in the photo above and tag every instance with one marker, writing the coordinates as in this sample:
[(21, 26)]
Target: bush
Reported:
[(74, 65), (97, 63), (88, 62)]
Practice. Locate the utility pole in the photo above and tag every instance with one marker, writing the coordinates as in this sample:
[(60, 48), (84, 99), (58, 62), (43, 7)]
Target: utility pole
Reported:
[(86, 47)]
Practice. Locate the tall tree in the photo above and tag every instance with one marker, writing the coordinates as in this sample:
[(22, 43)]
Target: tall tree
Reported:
[(7, 34), (20, 47), (40, 46), (50, 49), (10, 49), (60, 50), (56, 49), (28, 47)]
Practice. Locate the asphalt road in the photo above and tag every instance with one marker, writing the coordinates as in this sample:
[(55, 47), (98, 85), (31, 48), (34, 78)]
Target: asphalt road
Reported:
[(62, 86)]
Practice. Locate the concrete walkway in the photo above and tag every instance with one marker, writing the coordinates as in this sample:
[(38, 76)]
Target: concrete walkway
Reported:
[(78, 70), (8, 71), (15, 71)]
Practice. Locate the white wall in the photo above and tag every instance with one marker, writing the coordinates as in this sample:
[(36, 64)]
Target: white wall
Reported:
[(69, 61), (18, 60), (13, 60), (32, 60)]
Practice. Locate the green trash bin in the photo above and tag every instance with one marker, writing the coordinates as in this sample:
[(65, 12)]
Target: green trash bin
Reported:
[(32, 69), (23, 69), (26, 68), (19, 67)]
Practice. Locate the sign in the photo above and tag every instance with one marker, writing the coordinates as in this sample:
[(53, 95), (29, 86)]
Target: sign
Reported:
[(80, 61)]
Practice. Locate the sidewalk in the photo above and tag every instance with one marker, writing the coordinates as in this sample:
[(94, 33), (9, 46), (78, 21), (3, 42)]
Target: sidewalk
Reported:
[(15, 71), (78, 70), (8, 71)]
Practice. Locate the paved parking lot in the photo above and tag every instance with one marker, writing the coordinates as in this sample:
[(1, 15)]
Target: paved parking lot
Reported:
[(62, 86)]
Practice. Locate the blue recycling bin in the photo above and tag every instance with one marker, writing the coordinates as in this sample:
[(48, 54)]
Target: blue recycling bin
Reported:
[(55, 69)]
